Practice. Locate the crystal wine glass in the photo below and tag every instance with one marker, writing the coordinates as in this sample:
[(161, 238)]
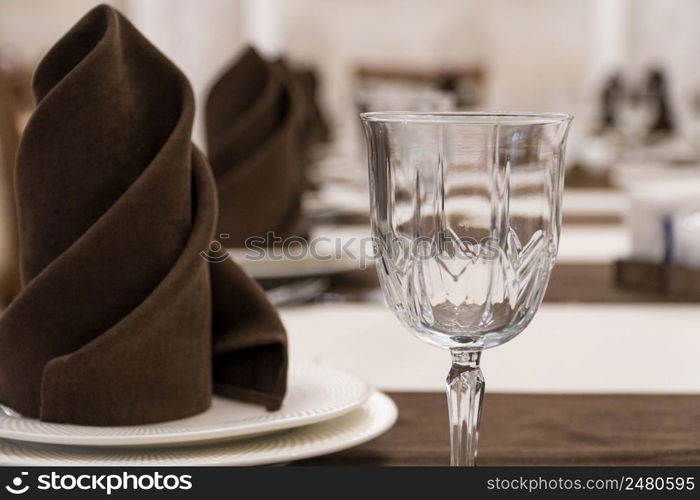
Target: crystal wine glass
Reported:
[(466, 214)]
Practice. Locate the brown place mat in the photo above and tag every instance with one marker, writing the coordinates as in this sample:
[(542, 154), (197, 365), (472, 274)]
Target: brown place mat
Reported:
[(524, 429), (576, 219), (657, 278), (587, 283), (578, 177), (596, 283)]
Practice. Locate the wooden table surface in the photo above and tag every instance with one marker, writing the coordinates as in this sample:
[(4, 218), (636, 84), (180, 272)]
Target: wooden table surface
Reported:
[(522, 429), (583, 283)]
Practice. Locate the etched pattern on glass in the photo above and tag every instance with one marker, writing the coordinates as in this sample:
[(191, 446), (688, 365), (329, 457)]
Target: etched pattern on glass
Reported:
[(467, 225)]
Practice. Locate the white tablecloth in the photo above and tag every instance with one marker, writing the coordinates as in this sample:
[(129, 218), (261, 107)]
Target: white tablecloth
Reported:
[(640, 348)]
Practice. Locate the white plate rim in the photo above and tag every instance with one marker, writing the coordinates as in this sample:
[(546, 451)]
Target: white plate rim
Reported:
[(377, 415), (308, 266), (200, 436)]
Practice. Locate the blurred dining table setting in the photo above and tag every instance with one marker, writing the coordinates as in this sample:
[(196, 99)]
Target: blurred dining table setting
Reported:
[(231, 300)]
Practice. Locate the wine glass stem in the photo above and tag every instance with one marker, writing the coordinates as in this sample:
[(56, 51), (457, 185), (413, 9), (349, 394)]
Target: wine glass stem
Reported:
[(465, 391)]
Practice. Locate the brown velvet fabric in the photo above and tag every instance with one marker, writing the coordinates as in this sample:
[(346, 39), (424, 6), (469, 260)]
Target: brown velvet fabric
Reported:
[(120, 317), (253, 147), (541, 429), (300, 109), (316, 122)]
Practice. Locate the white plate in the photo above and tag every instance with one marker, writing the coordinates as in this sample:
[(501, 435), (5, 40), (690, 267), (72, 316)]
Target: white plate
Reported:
[(315, 393), (373, 418), (324, 263)]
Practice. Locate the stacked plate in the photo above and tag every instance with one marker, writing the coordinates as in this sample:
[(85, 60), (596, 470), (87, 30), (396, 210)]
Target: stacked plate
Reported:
[(320, 259), (325, 411)]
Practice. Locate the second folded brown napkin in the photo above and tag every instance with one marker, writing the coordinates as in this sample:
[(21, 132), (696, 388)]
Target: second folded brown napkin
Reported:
[(254, 149), (120, 319), (317, 124)]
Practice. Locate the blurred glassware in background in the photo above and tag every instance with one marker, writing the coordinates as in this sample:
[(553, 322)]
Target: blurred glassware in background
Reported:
[(610, 96), (388, 96), (657, 96), (637, 109), (637, 115), (636, 128), (464, 85), (340, 175)]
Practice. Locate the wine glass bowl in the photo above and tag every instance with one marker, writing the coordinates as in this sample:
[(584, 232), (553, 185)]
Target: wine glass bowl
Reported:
[(466, 215)]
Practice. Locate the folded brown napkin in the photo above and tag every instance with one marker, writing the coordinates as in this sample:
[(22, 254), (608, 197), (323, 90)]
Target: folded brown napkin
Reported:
[(300, 109), (310, 126), (317, 124), (120, 320), (253, 145)]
